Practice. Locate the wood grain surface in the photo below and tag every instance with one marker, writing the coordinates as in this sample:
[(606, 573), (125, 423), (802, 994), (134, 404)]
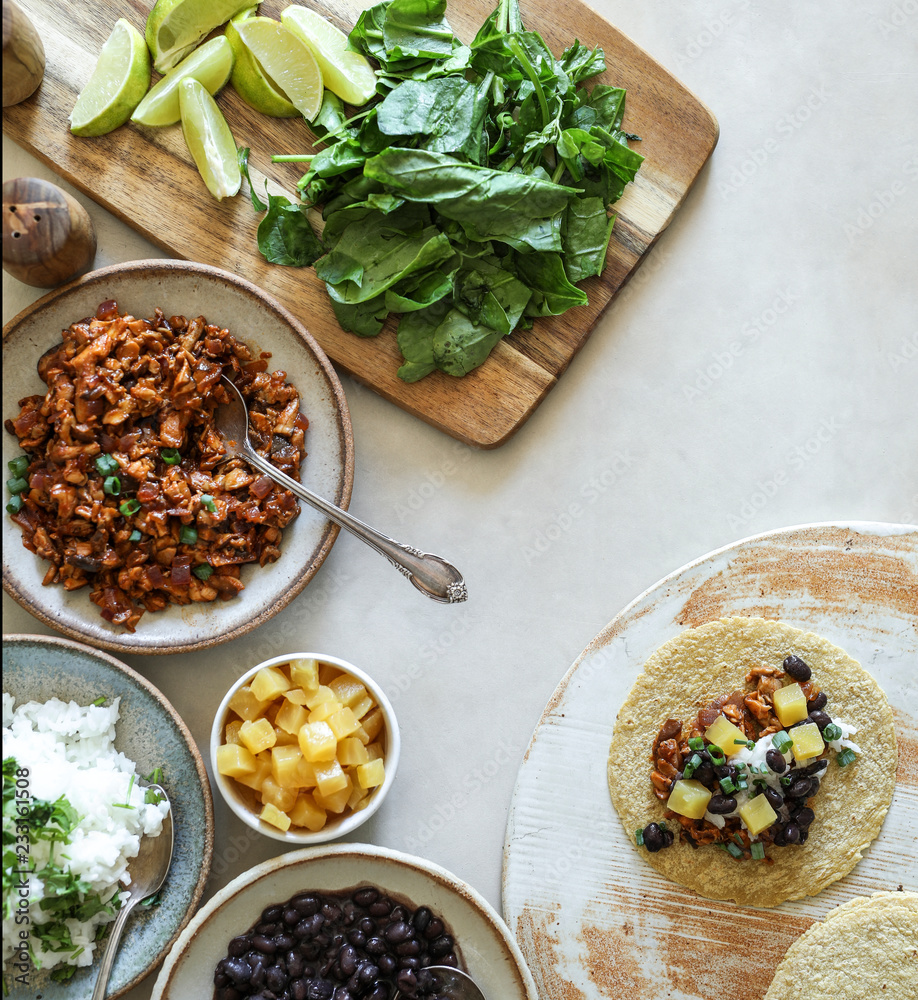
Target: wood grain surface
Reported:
[(146, 177)]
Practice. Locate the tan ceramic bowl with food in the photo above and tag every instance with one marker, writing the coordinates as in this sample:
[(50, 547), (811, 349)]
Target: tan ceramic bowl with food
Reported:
[(304, 748), (181, 288)]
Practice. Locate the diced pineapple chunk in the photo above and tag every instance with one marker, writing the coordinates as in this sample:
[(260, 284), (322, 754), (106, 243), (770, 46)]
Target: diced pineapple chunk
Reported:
[(330, 777), (307, 773), (317, 741), (352, 752), (285, 766), (373, 723), (284, 739), (358, 795), (273, 794), (808, 741), (372, 773), (246, 705), (757, 814), (790, 704), (731, 739), (376, 751), (327, 672), (689, 798), (262, 770), (305, 673), (321, 693), (231, 731), (297, 695), (257, 736), (234, 760), (307, 813), (270, 683), (362, 706), (335, 802), (348, 690), (343, 723), (324, 710), (291, 716), (276, 817)]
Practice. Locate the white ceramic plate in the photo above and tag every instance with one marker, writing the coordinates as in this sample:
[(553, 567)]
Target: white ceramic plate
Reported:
[(490, 953), (592, 918), (149, 732), (178, 287)]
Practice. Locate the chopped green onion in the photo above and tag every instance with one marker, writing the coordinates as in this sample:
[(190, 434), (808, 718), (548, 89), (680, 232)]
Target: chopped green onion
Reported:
[(127, 803), (696, 743), (738, 839), (846, 757), (188, 535), (207, 502), (19, 465), (135, 536), (727, 786), (740, 765), (717, 755), (639, 837), (743, 743), (15, 505), (155, 777), (203, 571), (128, 507), (737, 852), (17, 485), (100, 701), (153, 900), (831, 732), (742, 785), (106, 464), (758, 850), (170, 456), (786, 779), (112, 485), (782, 742)]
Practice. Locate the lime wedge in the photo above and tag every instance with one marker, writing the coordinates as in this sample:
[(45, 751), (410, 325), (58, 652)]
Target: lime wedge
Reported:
[(209, 139), (288, 61), (249, 79), (174, 27), (117, 84), (210, 64), (347, 74)]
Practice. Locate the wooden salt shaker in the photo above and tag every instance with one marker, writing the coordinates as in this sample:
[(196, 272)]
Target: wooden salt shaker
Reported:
[(23, 55), (48, 237)]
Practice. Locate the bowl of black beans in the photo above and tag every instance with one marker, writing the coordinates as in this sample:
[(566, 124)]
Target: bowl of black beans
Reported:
[(343, 922)]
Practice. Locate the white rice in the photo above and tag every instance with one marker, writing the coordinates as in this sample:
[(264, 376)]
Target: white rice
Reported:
[(69, 750)]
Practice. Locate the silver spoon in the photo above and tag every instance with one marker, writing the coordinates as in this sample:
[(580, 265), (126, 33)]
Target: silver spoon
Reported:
[(451, 984), (148, 872), (432, 575)]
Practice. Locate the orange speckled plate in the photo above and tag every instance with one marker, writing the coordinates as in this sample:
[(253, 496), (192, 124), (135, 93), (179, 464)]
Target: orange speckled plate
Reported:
[(592, 919)]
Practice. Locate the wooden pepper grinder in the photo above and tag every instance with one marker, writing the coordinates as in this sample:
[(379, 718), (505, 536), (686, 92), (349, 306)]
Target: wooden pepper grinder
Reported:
[(48, 237), (23, 55)]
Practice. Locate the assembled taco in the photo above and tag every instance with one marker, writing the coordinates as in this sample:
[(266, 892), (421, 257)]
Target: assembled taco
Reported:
[(863, 949), (753, 761)]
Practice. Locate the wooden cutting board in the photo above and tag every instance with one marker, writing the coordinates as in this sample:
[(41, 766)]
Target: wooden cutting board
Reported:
[(146, 177)]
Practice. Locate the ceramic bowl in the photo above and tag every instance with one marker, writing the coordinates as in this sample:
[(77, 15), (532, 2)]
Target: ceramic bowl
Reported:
[(179, 287), (242, 800), (488, 949), (150, 733)]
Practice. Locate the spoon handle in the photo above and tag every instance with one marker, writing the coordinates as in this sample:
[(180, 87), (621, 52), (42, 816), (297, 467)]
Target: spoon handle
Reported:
[(111, 950), (431, 574)]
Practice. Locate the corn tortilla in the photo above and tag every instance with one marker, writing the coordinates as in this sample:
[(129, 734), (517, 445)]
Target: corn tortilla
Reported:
[(864, 949), (686, 674)]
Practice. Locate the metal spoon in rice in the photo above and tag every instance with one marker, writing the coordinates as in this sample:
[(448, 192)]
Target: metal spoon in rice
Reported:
[(148, 872)]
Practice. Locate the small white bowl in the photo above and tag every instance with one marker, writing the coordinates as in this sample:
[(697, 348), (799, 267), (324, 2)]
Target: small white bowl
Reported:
[(337, 826)]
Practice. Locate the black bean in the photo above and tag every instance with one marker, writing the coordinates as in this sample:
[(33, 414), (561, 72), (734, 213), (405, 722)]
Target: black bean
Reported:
[(284, 941), (421, 918), (387, 964), (720, 804), (368, 894), (774, 798), (356, 937), (668, 838), (221, 979), (239, 946), (775, 760), (291, 916), (272, 914), (228, 993), (264, 944), (705, 774), (368, 973), (379, 992), (816, 768), (296, 964), (441, 946), (820, 701), (409, 962), (406, 981), (330, 911), (306, 903), (797, 669), (319, 989), (801, 788), (347, 959), (450, 958), (804, 817), (792, 833), (238, 970), (275, 978), (653, 837), (804, 833), (298, 989), (725, 771), (822, 719), (381, 907), (433, 929), (779, 839)]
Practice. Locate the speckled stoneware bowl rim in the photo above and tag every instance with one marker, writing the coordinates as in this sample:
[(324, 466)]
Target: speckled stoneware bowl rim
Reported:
[(336, 827), (488, 948), (185, 741), (196, 626)]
